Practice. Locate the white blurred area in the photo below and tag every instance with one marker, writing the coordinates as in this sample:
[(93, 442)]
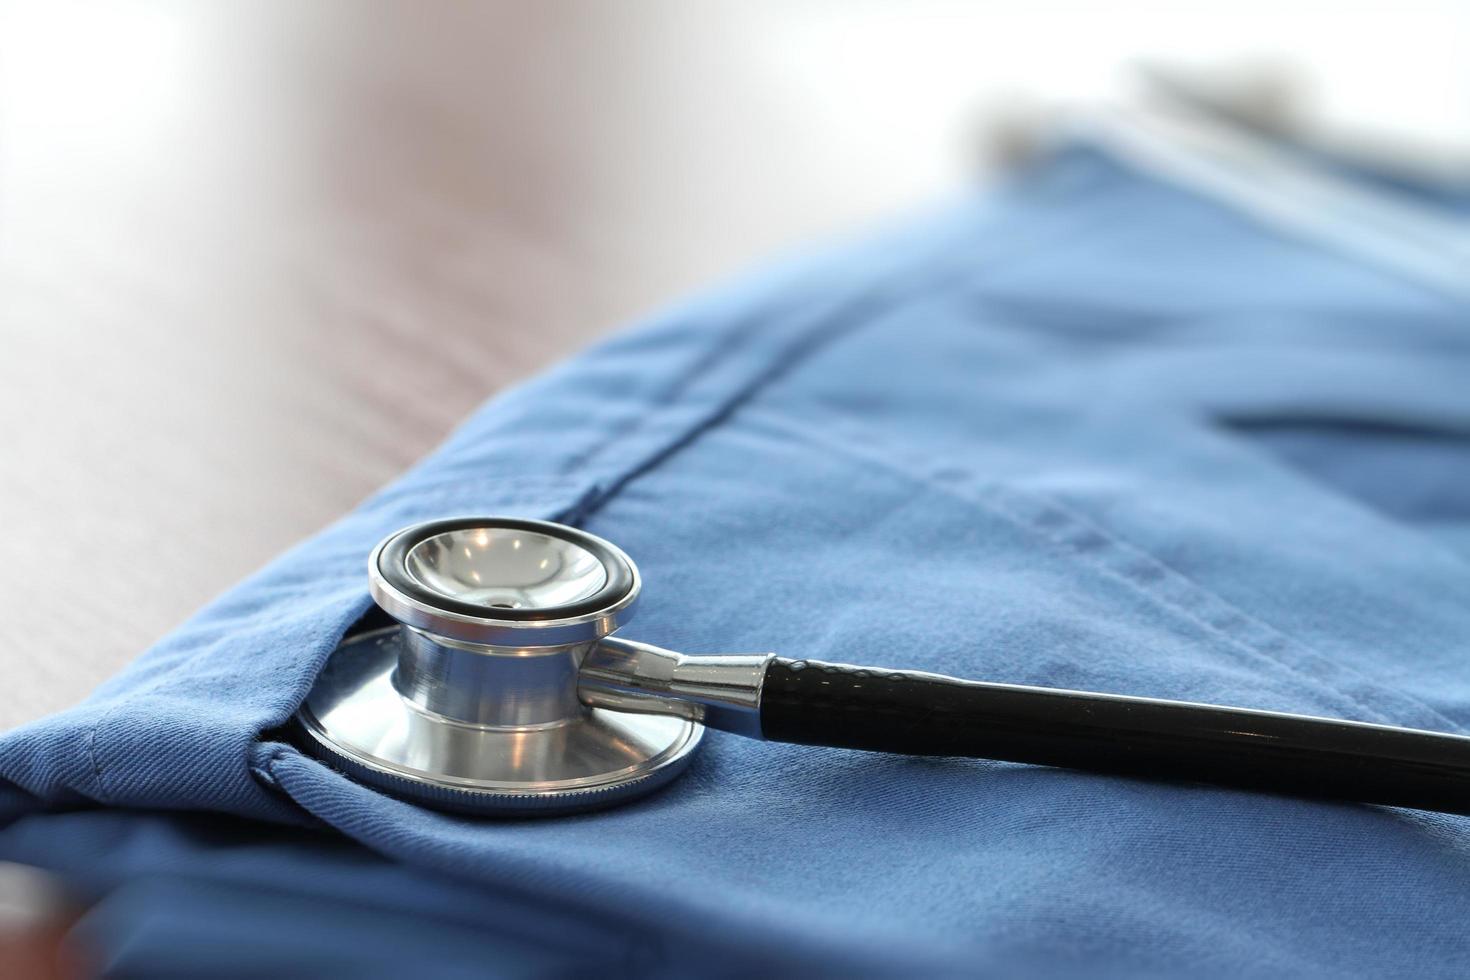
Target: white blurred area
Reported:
[(1388, 81), (842, 109)]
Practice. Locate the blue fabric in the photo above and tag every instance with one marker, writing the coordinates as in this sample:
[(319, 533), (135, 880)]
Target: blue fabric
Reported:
[(1092, 430)]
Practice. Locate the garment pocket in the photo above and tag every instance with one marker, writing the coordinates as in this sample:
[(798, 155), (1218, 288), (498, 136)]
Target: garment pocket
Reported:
[(1413, 474)]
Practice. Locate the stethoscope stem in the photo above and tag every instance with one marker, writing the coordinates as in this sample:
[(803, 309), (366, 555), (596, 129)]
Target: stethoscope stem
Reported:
[(815, 703)]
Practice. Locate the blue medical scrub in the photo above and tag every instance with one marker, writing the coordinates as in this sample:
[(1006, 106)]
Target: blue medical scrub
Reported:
[(1096, 429)]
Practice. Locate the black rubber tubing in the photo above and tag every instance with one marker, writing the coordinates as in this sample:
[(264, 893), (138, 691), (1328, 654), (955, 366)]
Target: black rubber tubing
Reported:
[(813, 703)]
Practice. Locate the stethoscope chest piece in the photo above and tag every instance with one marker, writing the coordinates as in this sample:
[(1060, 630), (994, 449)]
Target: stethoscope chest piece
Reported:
[(471, 703)]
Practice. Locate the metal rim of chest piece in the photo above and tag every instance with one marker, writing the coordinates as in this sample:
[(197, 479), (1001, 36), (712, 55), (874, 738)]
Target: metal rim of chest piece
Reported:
[(471, 702)]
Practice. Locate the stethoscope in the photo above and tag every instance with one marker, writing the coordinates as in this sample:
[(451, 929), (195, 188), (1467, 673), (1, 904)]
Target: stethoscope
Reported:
[(502, 690)]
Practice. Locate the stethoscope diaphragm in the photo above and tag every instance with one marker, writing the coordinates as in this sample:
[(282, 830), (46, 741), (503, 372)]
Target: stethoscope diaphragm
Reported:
[(471, 702)]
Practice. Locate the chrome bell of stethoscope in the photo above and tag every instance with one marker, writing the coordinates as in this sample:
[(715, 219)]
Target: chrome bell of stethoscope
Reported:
[(501, 690)]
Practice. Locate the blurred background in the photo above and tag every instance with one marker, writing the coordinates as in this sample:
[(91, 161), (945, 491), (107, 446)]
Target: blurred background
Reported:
[(257, 257)]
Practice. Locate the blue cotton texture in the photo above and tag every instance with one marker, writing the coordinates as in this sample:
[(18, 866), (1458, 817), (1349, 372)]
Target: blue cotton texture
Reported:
[(1092, 430)]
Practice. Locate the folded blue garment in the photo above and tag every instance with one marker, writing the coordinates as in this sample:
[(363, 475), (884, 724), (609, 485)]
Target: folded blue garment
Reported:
[(1095, 429)]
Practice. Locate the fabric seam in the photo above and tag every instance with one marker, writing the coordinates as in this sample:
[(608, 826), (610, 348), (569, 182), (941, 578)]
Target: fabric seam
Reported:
[(885, 297)]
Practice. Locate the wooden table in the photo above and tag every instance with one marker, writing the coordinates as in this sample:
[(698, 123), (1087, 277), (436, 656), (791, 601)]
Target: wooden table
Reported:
[(256, 258)]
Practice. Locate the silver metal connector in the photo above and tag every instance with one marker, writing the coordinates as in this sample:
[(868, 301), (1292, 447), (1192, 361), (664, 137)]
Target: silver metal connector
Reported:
[(721, 692)]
